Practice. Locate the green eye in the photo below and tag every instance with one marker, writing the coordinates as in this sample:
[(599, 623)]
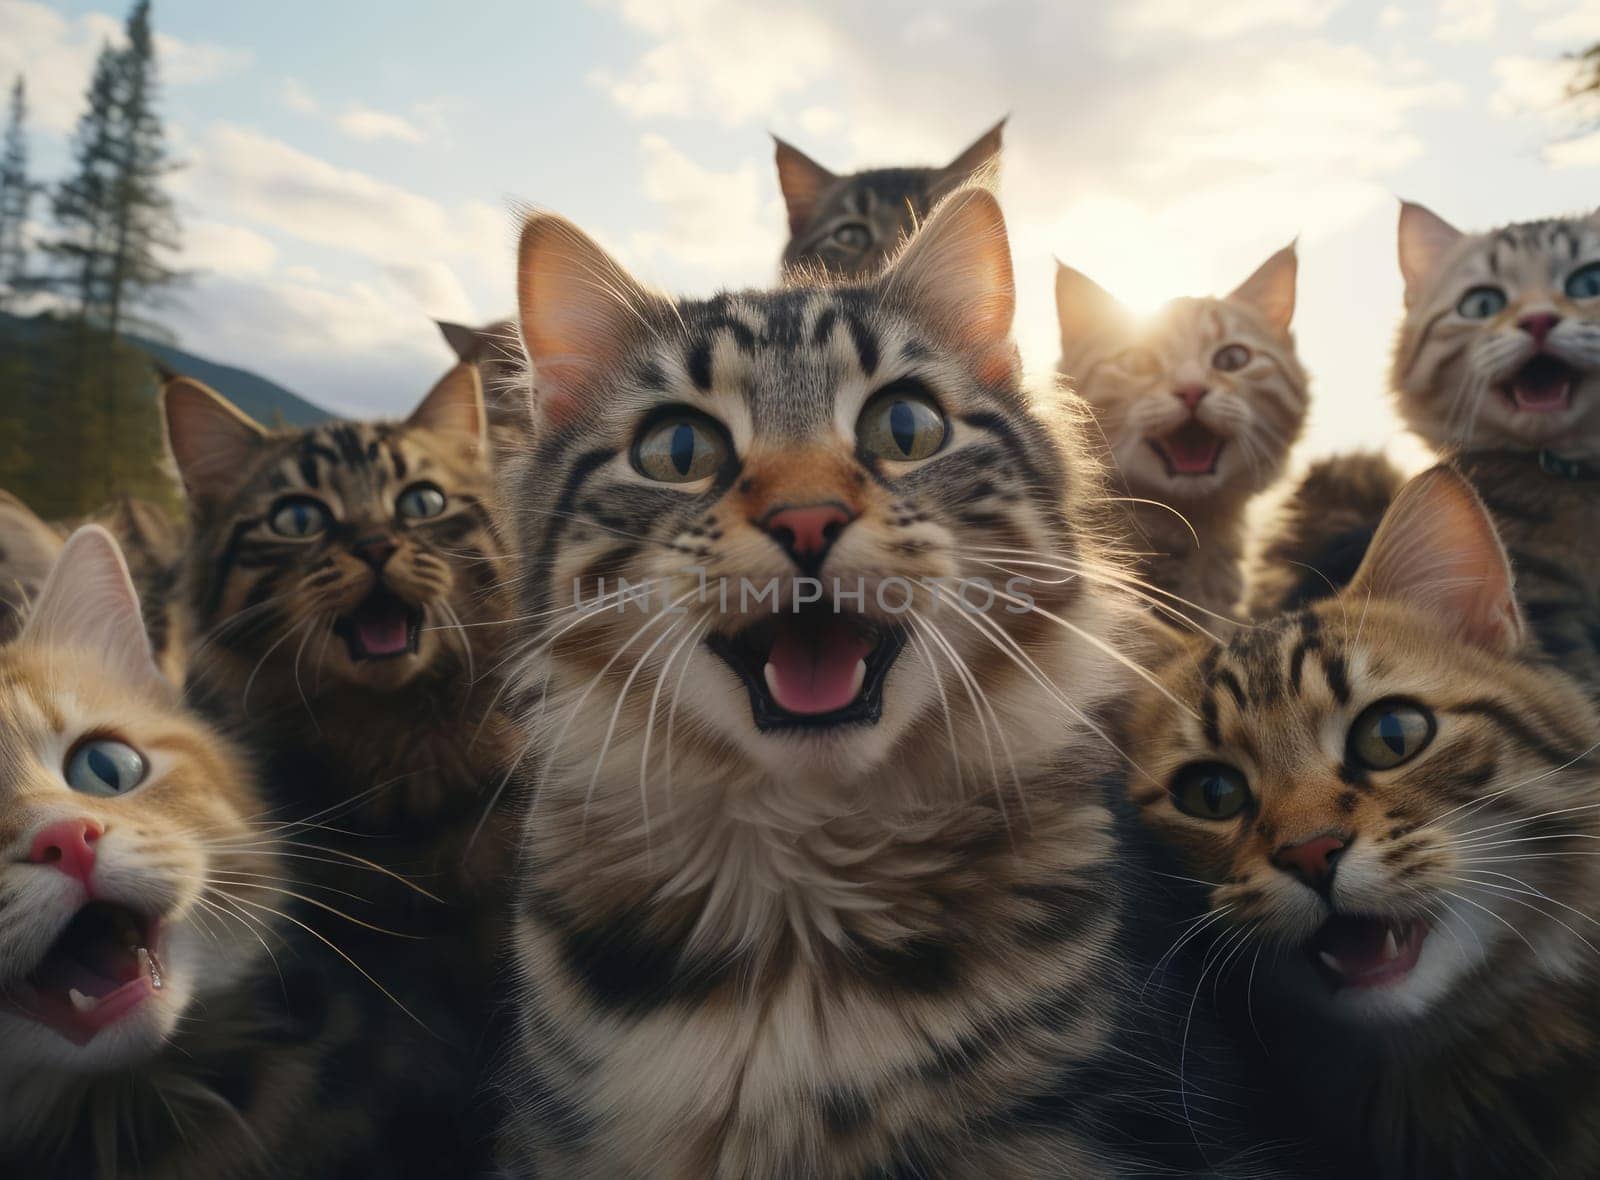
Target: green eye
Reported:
[(420, 501), (902, 422), (299, 518), (681, 447), (1389, 733), (1584, 283), (1210, 790), (1482, 302), (104, 767), (1230, 358)]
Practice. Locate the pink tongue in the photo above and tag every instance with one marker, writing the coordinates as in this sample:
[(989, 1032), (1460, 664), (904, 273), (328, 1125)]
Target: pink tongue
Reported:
[(1191, 449), (813, 670), (1542, 393), (384, 635)]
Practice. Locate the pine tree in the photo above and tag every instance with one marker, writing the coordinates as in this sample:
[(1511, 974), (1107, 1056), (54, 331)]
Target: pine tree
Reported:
[(16, 196)]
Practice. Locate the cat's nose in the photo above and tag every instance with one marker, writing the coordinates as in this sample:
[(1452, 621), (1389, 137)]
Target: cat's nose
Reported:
[(375, 549), (1314, 861), (68, 845), (1539, 325), (807, 531), (1190, 395)]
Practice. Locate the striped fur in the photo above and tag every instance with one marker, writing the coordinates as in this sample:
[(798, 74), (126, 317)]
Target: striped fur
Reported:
[(1223, 368), (851, 225), (1484, 1059), (886, 948)]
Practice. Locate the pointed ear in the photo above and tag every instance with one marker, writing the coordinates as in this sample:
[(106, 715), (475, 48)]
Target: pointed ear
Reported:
[(454, 407), (1270, 290), (955, 273), (463, 340), (579, 311), (89, 602), (212, 441), (979, 154), (1425, 240), (803, 182), (1437, 551), (27, 544), (1085, 310)]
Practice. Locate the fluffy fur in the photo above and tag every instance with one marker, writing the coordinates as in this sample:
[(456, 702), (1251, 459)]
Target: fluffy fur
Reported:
[(1199, 406), (496, 353), (851, 225), (890, 944), (1469, 1045)]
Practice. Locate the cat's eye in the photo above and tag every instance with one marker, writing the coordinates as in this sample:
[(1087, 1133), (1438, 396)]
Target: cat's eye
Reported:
[(1389, 733), (299, 518), (903, 423), (681, 447), (1584, 283), (1230, 358), (1482, 302), (1139, 362), (1210, 790), (420, 501), (852, 236), (105, 767)]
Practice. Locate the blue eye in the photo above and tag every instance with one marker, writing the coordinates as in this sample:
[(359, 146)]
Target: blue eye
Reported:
[(420, 501), (104, 767), (298, 518), (1482, 302), (1584, 283)]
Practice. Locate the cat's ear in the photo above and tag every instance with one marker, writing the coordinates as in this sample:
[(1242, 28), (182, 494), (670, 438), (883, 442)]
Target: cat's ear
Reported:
[(1425, 241), (1086, 311), (803, 182), (454, 407), (1270, 290), (1437, 551), (955, 274), (212, 441), (464, 341), (579, 311), (88, 602), (27, 544), (979, 155)]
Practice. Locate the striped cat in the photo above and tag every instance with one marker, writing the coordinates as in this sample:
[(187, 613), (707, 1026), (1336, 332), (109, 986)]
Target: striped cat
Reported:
[(821, 880), (851, 225), (497, 354), (1199, 405), (1393, 801)]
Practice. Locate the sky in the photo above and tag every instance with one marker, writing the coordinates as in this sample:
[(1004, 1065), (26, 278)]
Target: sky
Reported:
[(350, 171)]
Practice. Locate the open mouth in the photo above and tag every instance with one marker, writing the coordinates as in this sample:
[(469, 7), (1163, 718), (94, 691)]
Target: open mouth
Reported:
[(1352, 950), (101, 968), (815, 668), (381, 628), (1192, 449), (1542, 386)]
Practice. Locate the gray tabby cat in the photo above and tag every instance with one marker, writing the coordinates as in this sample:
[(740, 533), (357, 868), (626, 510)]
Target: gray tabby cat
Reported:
[(851, 225), (822, 886)]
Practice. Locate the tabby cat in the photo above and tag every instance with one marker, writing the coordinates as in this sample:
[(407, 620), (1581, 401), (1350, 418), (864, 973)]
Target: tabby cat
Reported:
[(1199, 406), (1393, 800), (819, 883), (497, 353), (852, 225)]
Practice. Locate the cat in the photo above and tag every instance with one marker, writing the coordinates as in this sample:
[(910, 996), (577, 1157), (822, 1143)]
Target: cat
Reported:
[(851, 225), (1391, 798), (1200, 406), (1497, 367), (497, 353), (820, 886)]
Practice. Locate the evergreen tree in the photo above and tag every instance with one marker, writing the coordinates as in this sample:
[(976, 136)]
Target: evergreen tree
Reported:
[(16, 195)]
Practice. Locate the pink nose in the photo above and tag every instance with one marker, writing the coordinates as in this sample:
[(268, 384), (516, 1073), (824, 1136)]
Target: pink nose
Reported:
[(1539, 326), (68, 846), (807, 531), (1313, 861), (1190, 395)]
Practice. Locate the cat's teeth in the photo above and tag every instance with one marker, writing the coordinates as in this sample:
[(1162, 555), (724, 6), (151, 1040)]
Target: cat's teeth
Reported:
[(858, 678), (1391, 948), (770, 675), (1331, 963), (82, 1002), (144, 966)]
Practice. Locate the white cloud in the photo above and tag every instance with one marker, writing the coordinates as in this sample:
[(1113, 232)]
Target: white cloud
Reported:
[(1574, 24), (297, 98), (57, 54), (1220, 19), (1530, 86), (1465, 20), (1581, 152), (365, 123), (1391, 17), (219, 248), (713, 223)]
